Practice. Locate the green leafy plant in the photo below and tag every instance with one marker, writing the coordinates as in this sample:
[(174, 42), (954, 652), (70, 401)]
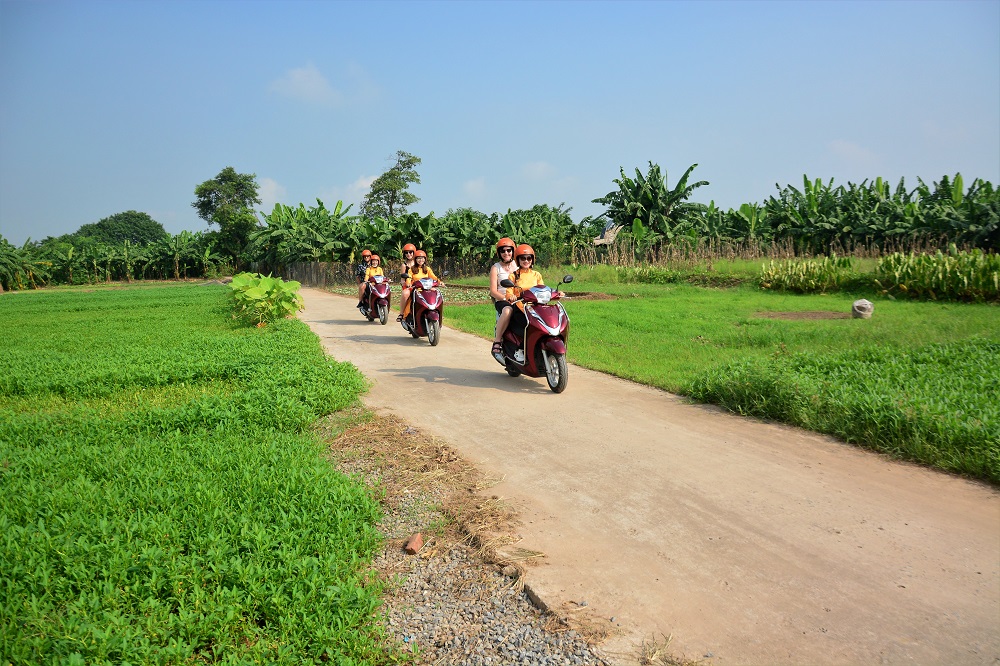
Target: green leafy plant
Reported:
[(957, 275), (811, 276), (162, 497), (261, 299)]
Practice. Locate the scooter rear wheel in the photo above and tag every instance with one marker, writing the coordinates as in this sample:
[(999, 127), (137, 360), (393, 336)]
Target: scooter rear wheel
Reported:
[(511, 370)]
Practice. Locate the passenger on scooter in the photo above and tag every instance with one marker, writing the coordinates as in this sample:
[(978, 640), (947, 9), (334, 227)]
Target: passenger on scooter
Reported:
[(525, 277), (374, 268), (409, 250), (421, 269), (359, 274), (499, 271)]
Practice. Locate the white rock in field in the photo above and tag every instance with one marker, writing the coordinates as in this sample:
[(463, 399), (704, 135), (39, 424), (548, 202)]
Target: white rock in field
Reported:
[(862, 309)]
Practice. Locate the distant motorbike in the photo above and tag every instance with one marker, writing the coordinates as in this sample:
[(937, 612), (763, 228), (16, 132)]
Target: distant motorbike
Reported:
[(377, 299), (426, 306), (540, 349)]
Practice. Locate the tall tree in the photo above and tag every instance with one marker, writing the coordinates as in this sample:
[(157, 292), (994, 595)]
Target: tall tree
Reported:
[(389, 195), (227, 200), (133, 226)]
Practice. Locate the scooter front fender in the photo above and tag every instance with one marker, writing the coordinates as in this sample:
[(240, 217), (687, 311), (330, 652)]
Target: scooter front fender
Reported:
[(554, 345), (434, 315)]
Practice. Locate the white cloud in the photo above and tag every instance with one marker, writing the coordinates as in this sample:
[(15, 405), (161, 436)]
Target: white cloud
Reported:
[(853, 154), (271, 192), (474, 188), (354, 193), (537, 171), (307, 84)]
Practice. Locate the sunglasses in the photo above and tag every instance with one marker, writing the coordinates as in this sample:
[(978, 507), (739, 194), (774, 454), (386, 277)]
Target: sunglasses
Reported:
[(408, 252), (506, 250), (526, 256)]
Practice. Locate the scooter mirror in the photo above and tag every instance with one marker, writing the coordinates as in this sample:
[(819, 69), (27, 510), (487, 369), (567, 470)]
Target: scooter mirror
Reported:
[(567, 279), (506, 283), (444, 274)]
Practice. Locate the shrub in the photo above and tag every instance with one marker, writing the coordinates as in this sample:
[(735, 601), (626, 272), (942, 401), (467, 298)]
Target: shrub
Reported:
[(958, 275), (828, 274), (260, 300)]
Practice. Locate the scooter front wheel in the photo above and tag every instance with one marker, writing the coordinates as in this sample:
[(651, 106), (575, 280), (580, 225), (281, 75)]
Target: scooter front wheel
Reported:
[(383, 313), (556, 371), (433, 331)]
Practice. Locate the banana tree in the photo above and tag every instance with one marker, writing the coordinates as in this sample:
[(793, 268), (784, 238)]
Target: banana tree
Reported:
[(649, 199), (64, 261)]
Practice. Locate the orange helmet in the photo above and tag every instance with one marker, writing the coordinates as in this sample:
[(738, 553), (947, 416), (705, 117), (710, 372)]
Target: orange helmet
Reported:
[(409, 247), (505, 242), (375, 258), (366, 253), (524, 250), (419, 253)]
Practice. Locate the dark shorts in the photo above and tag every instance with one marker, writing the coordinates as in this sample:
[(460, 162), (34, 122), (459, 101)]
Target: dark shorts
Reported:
[(500, 305), (517, 321)]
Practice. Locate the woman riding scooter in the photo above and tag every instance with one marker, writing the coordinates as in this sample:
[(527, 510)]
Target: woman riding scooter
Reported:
[(409, 250), (420, 270), (359, 274), (525, 277)]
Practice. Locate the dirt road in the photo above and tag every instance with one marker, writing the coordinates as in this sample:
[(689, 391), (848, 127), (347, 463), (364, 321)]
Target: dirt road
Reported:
[(750, 542)]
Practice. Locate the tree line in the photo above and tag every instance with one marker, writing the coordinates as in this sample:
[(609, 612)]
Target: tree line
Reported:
[(645, 213)]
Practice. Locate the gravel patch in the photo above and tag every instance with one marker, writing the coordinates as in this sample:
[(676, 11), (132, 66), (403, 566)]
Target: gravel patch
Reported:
[(457, 600)]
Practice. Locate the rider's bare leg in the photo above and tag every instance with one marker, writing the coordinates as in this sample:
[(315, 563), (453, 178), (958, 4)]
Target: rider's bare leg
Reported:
[(502, 323)]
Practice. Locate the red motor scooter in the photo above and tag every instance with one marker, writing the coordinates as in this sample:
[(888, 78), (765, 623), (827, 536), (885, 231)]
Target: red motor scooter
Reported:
[(426, 306), (540, 349), (376, 300)]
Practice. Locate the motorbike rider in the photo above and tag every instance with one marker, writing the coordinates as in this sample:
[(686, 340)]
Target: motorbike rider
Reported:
[(421, 269), (359, 274), (409, 250), (374, 268), (524, 277), (499, 271)]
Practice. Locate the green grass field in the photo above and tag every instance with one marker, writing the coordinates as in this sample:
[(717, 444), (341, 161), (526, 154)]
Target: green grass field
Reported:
[(161, 500), (918, 380)]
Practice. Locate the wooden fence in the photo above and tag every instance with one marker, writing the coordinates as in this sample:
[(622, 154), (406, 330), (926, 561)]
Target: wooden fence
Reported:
[(323, 274)]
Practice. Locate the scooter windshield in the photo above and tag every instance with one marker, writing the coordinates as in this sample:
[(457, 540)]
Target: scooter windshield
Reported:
[(426, 283), (542, 294), (379, 279)]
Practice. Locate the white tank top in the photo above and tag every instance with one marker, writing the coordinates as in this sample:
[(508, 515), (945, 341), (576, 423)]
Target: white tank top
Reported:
[(501, 276)]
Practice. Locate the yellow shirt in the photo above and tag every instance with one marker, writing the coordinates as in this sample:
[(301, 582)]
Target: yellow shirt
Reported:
[(373, 270), (524, 279), (416, 273)]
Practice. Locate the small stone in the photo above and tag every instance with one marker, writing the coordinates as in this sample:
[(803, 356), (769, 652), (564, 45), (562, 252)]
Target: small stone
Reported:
[(414, 544)]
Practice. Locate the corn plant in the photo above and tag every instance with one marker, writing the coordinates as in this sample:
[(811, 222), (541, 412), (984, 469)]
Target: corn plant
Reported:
[(957, 275), (811, 276)]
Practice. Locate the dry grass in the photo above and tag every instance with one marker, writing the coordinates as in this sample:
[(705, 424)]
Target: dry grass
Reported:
[(655, 652)]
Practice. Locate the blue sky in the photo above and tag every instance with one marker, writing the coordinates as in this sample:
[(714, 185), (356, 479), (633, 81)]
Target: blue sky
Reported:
[(113, 106)]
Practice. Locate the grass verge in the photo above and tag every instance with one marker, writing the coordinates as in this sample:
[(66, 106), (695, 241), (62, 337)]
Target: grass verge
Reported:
[(748, 349)]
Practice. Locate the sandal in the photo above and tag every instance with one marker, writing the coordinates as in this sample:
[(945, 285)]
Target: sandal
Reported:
[(497, 352), (399, 318)]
